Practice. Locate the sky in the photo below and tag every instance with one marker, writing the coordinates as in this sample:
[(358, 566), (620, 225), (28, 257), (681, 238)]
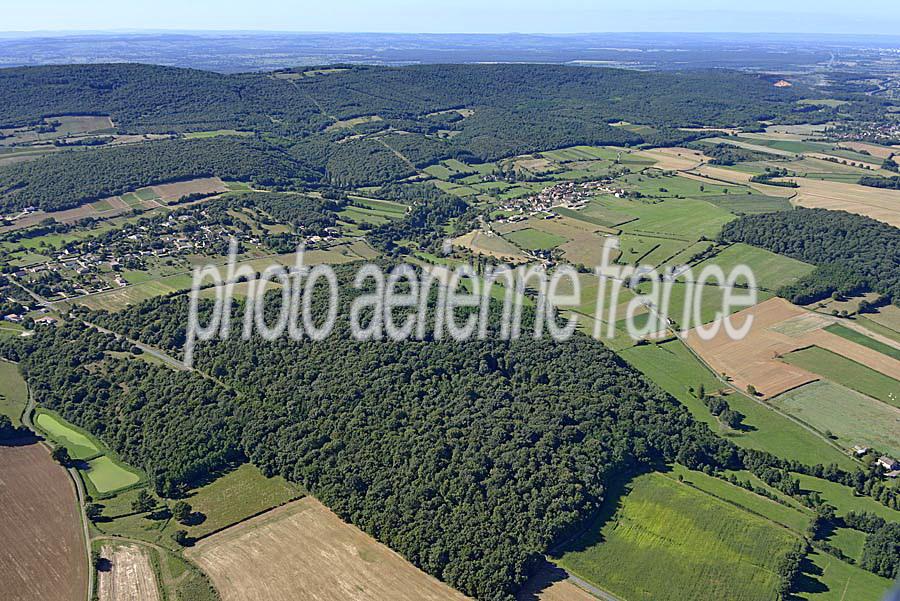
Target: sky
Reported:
[(457, 16)]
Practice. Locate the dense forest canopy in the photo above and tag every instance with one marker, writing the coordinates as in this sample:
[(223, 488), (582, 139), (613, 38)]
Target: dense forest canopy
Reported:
[(144, 97), (72, 178), (355, 125), (469, 458), (852, 252)]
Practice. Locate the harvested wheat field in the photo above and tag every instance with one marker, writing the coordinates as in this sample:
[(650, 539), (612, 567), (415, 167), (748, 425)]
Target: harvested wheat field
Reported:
[(882, 152), (174, 191), (780, 328), (43, 554), (492, 245), (754, 359), (303, 551), (675, 158), (877, 203), (129, 577)]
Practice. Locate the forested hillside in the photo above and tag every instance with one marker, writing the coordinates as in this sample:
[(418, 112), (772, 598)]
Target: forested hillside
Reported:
[(852, 252), (73, 178), (471, 458), (355, 125)]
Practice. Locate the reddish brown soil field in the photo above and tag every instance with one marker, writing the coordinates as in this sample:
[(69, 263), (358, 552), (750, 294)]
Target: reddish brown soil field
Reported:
[(42, 555)]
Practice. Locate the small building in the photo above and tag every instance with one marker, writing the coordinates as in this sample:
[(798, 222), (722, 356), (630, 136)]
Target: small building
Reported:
[(860, 450), (892, 475), (887, 463), (13, 318), (45, 321)]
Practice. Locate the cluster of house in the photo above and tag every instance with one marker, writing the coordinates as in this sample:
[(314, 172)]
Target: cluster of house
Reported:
[(890, 465), (881, 130), (22, 312), (569, 195)]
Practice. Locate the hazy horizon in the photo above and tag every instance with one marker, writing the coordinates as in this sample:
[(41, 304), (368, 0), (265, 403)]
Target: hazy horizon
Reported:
[(461, 17)]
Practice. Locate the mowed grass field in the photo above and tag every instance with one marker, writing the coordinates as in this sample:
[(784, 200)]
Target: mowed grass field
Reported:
[(851, 417), (103, 474), (43, 555), (107, 475), (533, 239), (79, 444), (236, 496), (841, 581), (847, 373), (304, 551), (13, 392), (668, 540), (860, 338), (675, 369), (770, 270)]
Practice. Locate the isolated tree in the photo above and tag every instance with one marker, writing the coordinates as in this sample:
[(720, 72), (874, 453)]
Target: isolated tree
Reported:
[(93, 511), (181, 511), (701, 392), (751, 390), (143, 503), (61, 456), (181, 537)]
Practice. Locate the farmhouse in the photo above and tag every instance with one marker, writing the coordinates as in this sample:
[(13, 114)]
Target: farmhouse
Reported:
[(888, 463), (860, 450)]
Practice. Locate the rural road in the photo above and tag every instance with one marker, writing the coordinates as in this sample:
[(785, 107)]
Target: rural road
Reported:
[(587, 586), (150, 350)]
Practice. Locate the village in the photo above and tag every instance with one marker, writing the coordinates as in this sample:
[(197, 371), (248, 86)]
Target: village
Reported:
[(569, 195)]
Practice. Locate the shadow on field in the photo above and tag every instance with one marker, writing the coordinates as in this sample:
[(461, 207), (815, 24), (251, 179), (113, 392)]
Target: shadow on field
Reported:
[(546, 575), (20, 440), (808, 581)]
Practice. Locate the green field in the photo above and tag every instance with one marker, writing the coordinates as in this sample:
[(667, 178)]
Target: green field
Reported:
[(652, 183), (675, 369), (533, 239), (13, 392), (79, 444), (747, 204), (648, 250), (796, 519), (859, 338), (668, 540), (108, 476), (844, 499), (847, 373), (236, 496), (711, 298), (840, 581), (851, 417), (770, 270), (685, 218)]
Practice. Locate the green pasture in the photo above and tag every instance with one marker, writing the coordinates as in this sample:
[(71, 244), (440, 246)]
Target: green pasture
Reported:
[(860, 338), (80, 444), (107, 475), (676, 370), (770, 270), (663, 533), (851, 418), (848, 373), (13, 392)]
